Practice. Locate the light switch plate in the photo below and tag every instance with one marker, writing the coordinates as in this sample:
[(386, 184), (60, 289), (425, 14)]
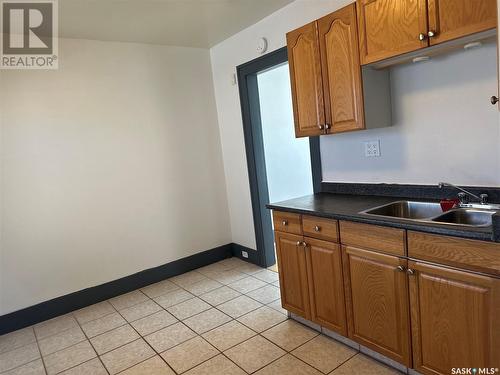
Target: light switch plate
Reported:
[(372, 149)]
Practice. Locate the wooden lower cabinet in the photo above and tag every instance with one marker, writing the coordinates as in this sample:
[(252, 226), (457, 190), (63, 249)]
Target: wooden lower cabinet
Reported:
[(377, 302), (326, 285), (425, 316), (455, 319), (292, 267)]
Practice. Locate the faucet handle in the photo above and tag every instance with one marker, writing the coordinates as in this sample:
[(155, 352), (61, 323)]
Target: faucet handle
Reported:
[(463, 198), (483, 198)]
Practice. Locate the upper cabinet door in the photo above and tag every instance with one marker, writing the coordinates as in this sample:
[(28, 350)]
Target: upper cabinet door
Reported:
[(454, 319), (305, 77), (451, 19), (341, 71), (389, 28)]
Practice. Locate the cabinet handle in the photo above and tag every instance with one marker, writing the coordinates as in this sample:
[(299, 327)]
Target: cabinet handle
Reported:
[(410, 272), (431, 34), (321, 126), (494, 100), (317, 228), (304, 244), (299, 243), (285, 223), (327, 126), (422, 37), (400, 268)]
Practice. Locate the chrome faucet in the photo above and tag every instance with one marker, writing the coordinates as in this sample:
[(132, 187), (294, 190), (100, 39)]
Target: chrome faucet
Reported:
[(464, 195)]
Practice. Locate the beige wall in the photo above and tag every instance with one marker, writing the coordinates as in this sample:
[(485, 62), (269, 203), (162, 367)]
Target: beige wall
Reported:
[(109, 166)]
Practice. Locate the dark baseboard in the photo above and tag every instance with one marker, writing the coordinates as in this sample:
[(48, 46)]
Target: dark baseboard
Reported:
[(253, 255), (86, 297)]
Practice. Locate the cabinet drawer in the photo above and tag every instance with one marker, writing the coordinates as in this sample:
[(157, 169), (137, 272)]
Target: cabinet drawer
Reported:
[(473, 255), (317, 227), (373, 237), (287, 222)]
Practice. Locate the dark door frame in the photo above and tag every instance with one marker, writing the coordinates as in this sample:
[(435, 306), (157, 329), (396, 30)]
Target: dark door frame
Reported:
[(254, 146)]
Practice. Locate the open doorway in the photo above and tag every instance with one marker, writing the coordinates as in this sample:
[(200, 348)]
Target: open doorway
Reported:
[(280, 166)]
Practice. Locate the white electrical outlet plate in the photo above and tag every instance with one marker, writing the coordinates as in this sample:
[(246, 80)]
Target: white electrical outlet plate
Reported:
[(244, 254), (372, 149)]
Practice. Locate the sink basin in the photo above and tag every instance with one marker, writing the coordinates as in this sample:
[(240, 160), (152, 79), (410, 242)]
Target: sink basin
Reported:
[(431, 212), (476, 218), (407, 210)]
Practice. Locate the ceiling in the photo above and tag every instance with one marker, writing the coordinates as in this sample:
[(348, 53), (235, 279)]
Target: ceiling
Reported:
[(190, 23)]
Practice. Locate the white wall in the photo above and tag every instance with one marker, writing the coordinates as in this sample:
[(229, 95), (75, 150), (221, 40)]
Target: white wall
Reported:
[(444, 127), (281, 148), (110, 165), (226, 56)]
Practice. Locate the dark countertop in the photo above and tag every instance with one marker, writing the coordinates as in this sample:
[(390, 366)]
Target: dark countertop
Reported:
[(347, 207)]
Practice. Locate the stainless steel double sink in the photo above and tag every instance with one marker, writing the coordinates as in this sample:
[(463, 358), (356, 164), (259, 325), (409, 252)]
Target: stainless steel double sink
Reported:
[(431, 212)]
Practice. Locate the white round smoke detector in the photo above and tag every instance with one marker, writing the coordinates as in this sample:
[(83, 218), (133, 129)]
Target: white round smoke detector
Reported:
[(262, 45)]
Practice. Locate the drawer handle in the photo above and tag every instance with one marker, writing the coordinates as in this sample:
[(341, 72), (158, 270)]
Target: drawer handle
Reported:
[(410, 272), (400, 268), (317, 228), (285, 223)]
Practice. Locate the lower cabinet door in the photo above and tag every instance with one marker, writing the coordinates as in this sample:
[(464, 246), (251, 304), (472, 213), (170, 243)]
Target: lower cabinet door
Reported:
[(326, 284), (377, 302), (455, 319), (293, 273)]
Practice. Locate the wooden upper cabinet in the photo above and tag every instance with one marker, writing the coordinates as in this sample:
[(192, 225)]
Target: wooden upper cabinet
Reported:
[(389, 28), (305, 77), (451, 19), (455, 319), (293, 273), (377, 302), (341, 70), (326, 285)]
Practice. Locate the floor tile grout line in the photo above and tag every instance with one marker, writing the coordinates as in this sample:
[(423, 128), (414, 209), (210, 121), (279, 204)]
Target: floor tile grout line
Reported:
[(320, 334), (90, 342), (73, 313), (199, 364), (267, 329), (39, 352), (240, 294), (147, 343), (267, 364), (230, 360), (132, 305), (261, 301), (24, 364), (19, 347), (142, 317)]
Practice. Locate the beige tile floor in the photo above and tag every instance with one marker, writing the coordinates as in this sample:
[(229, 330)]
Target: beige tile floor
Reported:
[(223, 319)]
